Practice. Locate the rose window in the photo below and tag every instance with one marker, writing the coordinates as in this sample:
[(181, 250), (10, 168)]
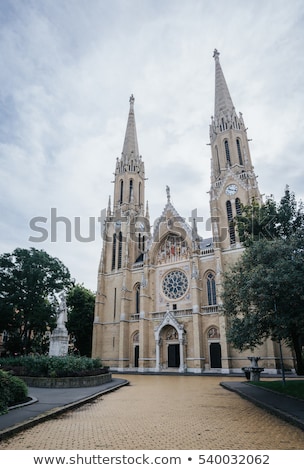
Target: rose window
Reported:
[(175, 284)]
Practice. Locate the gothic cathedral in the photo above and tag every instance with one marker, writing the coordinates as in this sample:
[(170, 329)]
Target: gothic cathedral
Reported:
[(158, 294)]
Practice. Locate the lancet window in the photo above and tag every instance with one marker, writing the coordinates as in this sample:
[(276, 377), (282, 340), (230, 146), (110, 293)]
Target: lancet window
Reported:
[(114, 251), (239, 151), (130, 190), (121, 193), (238, 206), (137, 298), (119, 250), (211, 290), (227, 152), (230, 222)]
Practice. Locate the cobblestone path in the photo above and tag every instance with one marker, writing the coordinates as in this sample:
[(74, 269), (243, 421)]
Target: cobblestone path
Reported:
[(163, 412)]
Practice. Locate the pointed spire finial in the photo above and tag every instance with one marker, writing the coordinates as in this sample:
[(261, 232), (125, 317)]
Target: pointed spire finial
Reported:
[(223, 105), (130, 147), (216, 54), (147, 210)]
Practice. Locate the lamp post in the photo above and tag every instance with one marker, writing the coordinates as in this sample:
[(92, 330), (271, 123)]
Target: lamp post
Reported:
[(280, 349)]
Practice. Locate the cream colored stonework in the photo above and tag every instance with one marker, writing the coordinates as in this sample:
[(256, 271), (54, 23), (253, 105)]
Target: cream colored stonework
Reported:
[(159, 291)]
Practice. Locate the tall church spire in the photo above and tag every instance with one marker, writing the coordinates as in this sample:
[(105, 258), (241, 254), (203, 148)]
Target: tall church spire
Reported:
[(233, 181), (223, 102), (130, 146), (129, 189), (225, 116)]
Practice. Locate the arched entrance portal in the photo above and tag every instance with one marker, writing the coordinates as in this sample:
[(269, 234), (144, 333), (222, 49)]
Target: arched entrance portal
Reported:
[(169, 339)]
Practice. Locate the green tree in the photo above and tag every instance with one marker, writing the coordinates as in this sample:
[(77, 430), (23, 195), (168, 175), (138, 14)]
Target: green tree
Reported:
[(270, 220), (28, 280), (263, 294), (81, 303)]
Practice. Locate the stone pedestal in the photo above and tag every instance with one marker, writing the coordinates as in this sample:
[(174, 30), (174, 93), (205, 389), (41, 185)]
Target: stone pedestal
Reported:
[(59, 342), (253, 373)]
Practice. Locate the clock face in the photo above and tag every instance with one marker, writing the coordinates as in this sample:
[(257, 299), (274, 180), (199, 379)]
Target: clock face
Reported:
[(231, 189)]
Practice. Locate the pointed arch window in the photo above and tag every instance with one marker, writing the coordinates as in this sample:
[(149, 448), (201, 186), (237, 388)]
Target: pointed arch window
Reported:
[(218, 169), (130, 190), (114, 251), (121, 192), (137, 297), (119, 250), (231, 229), (227, 151), (239, 151), (139, 193), (238, 206), (211, 290), (141, 242)]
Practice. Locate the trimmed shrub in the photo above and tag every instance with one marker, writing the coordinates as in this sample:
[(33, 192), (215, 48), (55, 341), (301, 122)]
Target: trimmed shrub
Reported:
[(52, 366), (12, 391)]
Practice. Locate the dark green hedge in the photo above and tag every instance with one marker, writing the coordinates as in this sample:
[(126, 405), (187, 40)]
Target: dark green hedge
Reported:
[(12, 391), (51, 366)]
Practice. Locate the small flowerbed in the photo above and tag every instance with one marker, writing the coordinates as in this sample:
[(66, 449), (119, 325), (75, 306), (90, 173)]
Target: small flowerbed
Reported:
[(46, 366)]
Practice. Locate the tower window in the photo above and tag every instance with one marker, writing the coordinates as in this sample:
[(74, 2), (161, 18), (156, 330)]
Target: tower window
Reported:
[(227, 152), (211, 291), (230, 222), (119, 250), (217, 160), (121, 193), (130, 190), (238, 145), (238, 206), (139, 193), (139, 242), (137, 298), (114, 251)]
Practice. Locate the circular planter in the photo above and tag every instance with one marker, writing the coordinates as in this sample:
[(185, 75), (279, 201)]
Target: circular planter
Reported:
[(67, 382)]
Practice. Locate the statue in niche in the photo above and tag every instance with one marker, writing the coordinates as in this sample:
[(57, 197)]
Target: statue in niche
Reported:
[(171, 334), (213, 333), (136, 337)]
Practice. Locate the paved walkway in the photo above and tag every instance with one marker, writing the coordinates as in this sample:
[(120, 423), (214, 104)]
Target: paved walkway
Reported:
[(48, 403), (156, 413)]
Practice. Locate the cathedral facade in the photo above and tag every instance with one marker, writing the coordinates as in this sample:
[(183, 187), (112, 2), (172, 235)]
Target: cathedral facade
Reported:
[(158, 295)]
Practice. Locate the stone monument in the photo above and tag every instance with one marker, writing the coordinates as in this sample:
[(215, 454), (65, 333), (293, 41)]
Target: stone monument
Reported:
[(59, 341)]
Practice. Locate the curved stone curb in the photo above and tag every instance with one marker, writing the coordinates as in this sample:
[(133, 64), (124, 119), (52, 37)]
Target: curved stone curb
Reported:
[(56, 411), (21, 405)]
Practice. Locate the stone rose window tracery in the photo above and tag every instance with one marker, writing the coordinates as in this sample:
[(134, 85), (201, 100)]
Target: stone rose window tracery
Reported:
[(175, 284)]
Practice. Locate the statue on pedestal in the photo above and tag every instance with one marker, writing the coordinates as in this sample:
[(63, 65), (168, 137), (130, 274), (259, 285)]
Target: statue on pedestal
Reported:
[(59, 341)]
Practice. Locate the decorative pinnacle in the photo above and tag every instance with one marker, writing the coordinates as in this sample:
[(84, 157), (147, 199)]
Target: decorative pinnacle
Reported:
[(132, 99), (168, 193), (216, 54)]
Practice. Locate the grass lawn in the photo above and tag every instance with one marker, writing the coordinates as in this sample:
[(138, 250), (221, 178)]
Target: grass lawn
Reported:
[(293, 387)]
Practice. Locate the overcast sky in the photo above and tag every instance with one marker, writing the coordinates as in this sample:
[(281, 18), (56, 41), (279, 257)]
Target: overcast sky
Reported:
[(68, 68)]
